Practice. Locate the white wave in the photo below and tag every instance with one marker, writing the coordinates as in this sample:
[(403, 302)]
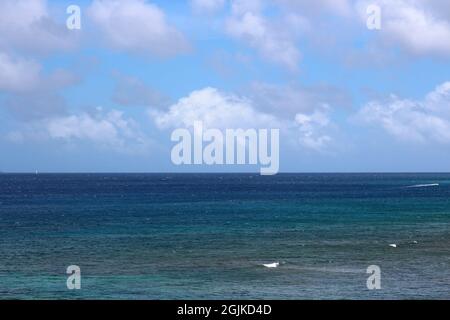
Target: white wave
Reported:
[(271, 265), (424, 185), (393, 245)]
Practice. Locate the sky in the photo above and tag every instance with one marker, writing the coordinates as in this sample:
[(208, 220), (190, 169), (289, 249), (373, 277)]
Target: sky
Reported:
[(106, 97)]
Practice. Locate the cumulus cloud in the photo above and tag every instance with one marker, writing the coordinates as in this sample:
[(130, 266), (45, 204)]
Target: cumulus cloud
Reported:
[(221, 110), (27, 31), (111, 130), (18, 74), (313, 128), (216, 110), (287, 100), (26, 25), (137, 26), (273, 40), (418, 26), (427, 120), (274, 28), (30, 94)]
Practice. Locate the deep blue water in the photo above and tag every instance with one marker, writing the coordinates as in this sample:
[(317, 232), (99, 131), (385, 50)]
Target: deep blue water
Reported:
[(206, 236)]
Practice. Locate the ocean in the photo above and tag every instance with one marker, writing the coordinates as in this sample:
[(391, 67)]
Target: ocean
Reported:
[(208, 236)]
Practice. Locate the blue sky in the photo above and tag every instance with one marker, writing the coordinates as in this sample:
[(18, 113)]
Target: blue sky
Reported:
[(106, 98)]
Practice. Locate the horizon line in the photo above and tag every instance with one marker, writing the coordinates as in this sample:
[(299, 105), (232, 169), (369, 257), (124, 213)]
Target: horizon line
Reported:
[(219, 172)]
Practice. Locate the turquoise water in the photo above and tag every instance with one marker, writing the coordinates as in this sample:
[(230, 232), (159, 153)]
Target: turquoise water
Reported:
[(169, 236)]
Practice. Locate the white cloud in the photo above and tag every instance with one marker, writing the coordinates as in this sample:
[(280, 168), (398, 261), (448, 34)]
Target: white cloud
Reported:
[(287, 100), (239, 7), (137, 26), (30, 93), (274, 41), (207, 6), (26, 25), (417, 26), (111, 130), (27, 31), (18, 74), (273, 28), (216, 110), (226, 111), (313, 129), (410, 120)]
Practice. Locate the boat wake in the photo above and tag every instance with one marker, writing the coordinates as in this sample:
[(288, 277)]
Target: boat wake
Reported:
[(424, 185)]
